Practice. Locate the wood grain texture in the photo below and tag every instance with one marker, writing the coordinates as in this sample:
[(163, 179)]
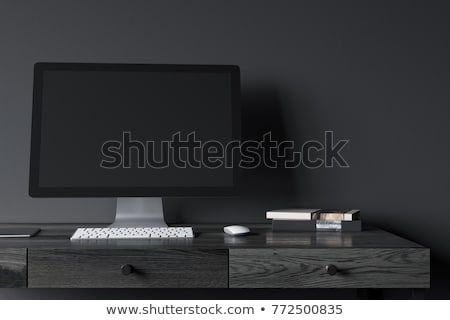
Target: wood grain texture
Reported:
[(212, 236), (159, 268), (305, 268), (13, 268), (372, 258)]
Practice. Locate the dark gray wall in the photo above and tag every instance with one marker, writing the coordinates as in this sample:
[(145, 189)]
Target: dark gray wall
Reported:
[(374, 72)]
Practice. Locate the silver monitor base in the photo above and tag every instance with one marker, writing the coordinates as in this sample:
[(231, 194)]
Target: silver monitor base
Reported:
[(139, 213)]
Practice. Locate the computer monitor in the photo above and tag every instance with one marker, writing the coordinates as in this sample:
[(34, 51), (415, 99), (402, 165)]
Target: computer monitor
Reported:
[(137, 132)]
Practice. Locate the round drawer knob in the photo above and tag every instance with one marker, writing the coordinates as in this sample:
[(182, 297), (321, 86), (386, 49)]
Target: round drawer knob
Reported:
[(126, 269), (331, 269)]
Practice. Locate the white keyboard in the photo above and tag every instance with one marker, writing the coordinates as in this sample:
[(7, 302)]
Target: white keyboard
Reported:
[(132, 233)]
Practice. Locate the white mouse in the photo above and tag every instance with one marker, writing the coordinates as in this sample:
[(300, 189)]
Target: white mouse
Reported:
[(236, 230)]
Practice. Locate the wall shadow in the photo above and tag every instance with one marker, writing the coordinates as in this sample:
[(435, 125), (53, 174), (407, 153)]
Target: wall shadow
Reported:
[(261, 188), (261, 114)]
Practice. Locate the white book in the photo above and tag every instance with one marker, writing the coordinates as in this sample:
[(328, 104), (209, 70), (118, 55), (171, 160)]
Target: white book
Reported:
[(351, 215), (328, 225), (291, 214), (337, 215)]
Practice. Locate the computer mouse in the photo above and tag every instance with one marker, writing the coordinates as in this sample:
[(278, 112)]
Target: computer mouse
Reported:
[(236, 230)]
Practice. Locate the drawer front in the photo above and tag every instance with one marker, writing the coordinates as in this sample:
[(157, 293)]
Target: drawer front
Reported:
[(92, 268), (13, 268), (307, 268)]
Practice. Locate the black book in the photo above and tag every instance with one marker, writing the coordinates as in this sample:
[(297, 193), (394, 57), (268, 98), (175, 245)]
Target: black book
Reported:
[(294, 225), (315, 225)]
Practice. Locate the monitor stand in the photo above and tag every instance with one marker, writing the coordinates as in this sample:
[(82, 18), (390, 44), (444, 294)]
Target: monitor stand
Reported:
[(139, 213)]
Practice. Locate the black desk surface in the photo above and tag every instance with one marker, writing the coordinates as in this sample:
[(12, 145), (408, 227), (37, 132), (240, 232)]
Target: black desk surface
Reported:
[(212, 236)]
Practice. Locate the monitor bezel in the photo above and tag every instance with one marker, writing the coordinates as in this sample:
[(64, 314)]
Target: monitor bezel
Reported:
[(35, 190)]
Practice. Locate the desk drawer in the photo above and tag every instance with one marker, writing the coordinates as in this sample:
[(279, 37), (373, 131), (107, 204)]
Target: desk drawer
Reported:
[(306, 268), (13, 268), (93, 268)]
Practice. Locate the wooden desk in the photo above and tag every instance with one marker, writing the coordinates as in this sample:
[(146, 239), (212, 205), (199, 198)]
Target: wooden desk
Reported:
[(370, 259)]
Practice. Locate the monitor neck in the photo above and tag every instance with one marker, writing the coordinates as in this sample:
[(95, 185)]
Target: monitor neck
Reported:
[(139, 213)]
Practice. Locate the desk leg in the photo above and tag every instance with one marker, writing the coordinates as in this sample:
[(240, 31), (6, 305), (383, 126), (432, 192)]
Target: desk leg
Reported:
[(418, 294), (369, 294)]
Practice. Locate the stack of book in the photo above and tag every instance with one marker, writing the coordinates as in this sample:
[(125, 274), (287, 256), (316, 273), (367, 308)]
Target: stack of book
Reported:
[(315, 220)]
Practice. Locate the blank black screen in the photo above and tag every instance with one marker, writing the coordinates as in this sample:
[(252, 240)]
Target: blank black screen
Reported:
[(81, 110)]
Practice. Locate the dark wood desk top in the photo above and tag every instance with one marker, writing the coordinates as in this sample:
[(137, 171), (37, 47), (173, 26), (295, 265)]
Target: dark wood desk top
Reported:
[(212, 236)]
